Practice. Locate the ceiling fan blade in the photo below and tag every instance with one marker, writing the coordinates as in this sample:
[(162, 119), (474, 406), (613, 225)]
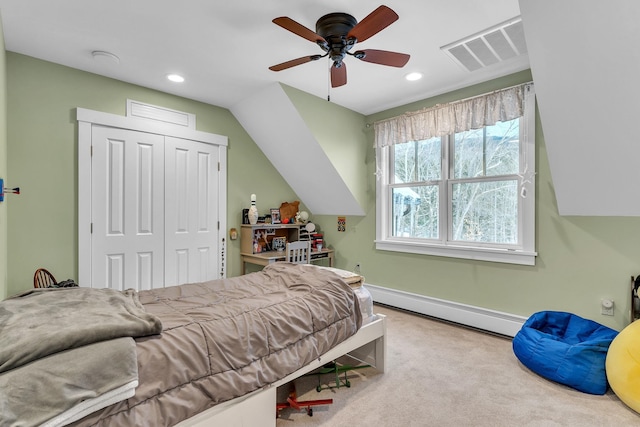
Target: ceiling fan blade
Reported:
[(383, 57), (299, 29), (338, 75), (294, 62), (373, 23)]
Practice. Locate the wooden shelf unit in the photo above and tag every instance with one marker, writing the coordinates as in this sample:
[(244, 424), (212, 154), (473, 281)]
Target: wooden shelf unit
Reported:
[(289, 231), (292, 232)]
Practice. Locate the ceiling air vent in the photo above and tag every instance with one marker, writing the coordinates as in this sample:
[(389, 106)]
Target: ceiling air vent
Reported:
[(496, 44)]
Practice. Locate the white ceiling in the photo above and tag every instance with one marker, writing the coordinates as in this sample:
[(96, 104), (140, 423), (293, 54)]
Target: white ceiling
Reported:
[(224, 49)]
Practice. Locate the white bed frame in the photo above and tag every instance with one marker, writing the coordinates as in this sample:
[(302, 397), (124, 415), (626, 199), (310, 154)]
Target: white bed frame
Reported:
[(259, 407)]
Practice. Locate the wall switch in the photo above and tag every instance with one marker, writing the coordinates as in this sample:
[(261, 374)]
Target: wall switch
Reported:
[(606, 307)]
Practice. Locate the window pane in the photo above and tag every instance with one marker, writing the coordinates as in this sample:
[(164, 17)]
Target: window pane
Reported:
[(404, 162), (415, 212), (491, 151), (503, 148), (417, 161), (468, 160), (486, 212), (430, 159)]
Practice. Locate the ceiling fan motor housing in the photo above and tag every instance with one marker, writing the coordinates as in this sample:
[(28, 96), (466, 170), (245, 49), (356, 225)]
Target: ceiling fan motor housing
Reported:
[(334, 28)]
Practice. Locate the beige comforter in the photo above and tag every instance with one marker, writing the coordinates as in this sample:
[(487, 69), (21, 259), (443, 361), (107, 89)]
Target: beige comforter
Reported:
[(225, 338)]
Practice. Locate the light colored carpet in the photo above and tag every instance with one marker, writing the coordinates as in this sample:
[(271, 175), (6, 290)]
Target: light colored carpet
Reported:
[(440, 374)]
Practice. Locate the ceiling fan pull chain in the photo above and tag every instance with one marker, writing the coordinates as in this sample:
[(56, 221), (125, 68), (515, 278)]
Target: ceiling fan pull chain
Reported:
[(329, 82)]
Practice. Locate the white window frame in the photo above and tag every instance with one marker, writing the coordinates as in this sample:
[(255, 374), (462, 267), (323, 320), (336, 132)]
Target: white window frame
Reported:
[(524, 254)]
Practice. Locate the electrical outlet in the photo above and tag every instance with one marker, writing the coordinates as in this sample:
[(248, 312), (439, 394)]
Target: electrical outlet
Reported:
[(606, 307)]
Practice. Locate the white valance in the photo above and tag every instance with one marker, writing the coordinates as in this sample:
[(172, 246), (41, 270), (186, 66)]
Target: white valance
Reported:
[(444, 119)]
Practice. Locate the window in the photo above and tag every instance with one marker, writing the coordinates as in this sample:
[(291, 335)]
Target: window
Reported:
[(467, 194)]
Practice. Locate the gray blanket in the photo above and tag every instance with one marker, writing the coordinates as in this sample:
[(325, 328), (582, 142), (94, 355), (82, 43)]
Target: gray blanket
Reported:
[(68, 385), (42, 322)]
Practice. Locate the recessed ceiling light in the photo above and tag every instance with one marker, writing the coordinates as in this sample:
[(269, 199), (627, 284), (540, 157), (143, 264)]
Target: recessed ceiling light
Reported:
[(176, 78), (413, 76)]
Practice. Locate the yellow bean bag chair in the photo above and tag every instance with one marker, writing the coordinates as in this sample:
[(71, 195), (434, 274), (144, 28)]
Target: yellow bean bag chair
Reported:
[(623, 365)]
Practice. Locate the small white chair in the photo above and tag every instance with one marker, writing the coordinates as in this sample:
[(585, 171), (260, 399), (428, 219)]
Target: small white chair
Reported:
[(299, 252)]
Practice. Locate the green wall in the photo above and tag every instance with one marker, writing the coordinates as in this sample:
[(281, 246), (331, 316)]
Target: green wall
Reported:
[(581, 259), (3, 166), (42, 130)]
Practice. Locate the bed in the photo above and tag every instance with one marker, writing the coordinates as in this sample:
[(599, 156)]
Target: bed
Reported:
[(192, 355)]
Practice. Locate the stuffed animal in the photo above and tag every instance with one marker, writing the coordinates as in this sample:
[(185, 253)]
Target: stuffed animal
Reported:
[(289, 210)]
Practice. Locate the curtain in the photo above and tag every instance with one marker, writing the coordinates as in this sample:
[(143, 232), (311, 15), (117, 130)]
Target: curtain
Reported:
[(443, 119)]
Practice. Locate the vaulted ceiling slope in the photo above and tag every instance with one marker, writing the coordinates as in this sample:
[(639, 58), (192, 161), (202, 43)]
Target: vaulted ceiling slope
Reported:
[(585, 64), (277, 127)]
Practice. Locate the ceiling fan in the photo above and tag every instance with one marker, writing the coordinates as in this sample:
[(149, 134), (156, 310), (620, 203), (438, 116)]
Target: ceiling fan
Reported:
[(336, 34)]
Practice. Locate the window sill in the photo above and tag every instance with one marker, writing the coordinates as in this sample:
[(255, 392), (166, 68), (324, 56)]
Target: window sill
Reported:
[(479, 254)]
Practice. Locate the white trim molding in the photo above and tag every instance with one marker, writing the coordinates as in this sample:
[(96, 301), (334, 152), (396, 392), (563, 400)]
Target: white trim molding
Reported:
[(507, 256), (477, 317), (92, 117), (160, 114)]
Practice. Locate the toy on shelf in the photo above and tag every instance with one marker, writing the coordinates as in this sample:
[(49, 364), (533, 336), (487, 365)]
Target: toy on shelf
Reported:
[(635, 299)]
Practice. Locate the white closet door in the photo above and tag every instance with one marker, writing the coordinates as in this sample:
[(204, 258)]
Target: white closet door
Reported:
[(191, 211), (127, 208)]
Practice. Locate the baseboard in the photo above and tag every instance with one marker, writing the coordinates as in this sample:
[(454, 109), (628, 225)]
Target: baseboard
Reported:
[(476, 317)]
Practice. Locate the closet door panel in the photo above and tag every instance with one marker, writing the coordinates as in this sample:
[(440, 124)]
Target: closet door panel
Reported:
[(127, 208), (191, 219)]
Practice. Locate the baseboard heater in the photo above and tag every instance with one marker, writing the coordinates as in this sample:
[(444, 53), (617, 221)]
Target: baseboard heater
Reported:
[(477, 317)]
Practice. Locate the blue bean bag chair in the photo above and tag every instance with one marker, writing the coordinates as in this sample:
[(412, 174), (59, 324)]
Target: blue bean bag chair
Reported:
[(565, 348)]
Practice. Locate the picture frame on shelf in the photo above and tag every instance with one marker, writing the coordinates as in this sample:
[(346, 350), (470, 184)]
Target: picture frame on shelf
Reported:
[(279, 244), (275, 216)]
